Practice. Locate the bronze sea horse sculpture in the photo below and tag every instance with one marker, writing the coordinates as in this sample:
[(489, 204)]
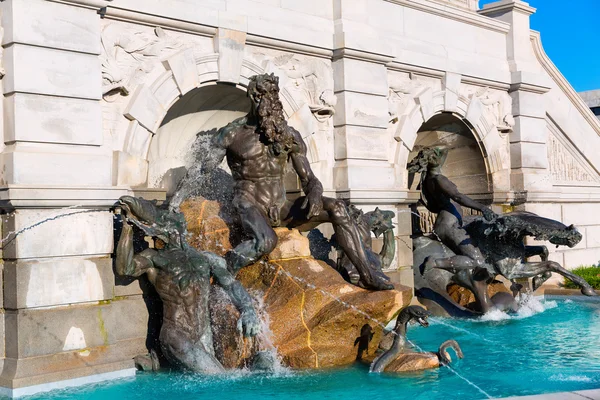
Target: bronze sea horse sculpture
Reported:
[(472, 251), (379, 222), (181, 276), (258, 148)]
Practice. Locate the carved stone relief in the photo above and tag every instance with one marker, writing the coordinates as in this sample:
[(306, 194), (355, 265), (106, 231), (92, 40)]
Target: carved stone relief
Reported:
[(308, 80), (402, 90), (566, 165), (498, 103), (128, 55)]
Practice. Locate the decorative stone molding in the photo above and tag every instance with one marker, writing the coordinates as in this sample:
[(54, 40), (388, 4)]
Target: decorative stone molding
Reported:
[(204, 30), (40, 196), (455, 13), (562, 83), (472, 5), (508, 5), (86, 3), (356, 54), (119, 14)]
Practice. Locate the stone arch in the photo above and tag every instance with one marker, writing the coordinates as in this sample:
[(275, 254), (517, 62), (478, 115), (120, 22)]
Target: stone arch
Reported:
[(168, 82), (427, 103)]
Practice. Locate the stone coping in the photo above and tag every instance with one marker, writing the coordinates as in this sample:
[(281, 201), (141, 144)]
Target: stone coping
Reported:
[(556, 293), (84, 380)]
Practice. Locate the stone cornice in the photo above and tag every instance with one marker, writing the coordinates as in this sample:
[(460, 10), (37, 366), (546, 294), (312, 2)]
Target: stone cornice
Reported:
[(564, 195), (283, 45), (40, 196), (454, 13), (562, 83), (209, 31), (435, 73), (153, 20), (361, 55), (507, 5), (94, 4), (471, 80), (402, 67), (529, 87)]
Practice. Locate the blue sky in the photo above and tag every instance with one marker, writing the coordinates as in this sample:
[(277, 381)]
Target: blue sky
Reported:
[(571, 37)]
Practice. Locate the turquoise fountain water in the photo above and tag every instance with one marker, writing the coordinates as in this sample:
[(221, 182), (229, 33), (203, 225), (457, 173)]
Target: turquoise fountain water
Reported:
[(548, 347)]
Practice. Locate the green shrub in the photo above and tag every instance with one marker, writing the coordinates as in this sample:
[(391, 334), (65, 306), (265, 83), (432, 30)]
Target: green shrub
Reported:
[(590, 274)]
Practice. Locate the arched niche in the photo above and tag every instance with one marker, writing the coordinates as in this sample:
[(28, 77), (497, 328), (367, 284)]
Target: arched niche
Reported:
[(177, 85), (465, 165), (427, 109), (201, 111)]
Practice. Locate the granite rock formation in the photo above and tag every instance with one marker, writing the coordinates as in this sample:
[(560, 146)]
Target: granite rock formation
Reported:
[(314, 315)]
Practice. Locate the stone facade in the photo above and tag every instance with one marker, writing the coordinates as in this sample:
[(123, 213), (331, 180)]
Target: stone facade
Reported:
[(102, 98)]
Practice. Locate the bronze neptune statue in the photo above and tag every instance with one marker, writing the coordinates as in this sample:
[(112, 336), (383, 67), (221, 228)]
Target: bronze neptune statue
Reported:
[(258, 148), (181, 276)]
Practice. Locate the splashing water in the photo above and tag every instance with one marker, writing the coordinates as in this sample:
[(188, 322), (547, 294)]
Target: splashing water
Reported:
[(528, 305), (480, 390), (265, 336), (57, 215), (570, 378), (455, 328), (528, 308)]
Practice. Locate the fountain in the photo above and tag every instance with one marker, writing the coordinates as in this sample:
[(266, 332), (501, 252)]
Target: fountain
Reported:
[(316, 315), (255, 300), (379, 223), (313, 311)]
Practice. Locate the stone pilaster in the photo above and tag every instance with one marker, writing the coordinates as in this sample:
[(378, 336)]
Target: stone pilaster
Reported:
[(528, 149), (363, 172)]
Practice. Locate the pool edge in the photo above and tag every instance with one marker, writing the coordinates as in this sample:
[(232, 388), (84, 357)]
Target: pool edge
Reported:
[(81, 381), (579, 298)]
